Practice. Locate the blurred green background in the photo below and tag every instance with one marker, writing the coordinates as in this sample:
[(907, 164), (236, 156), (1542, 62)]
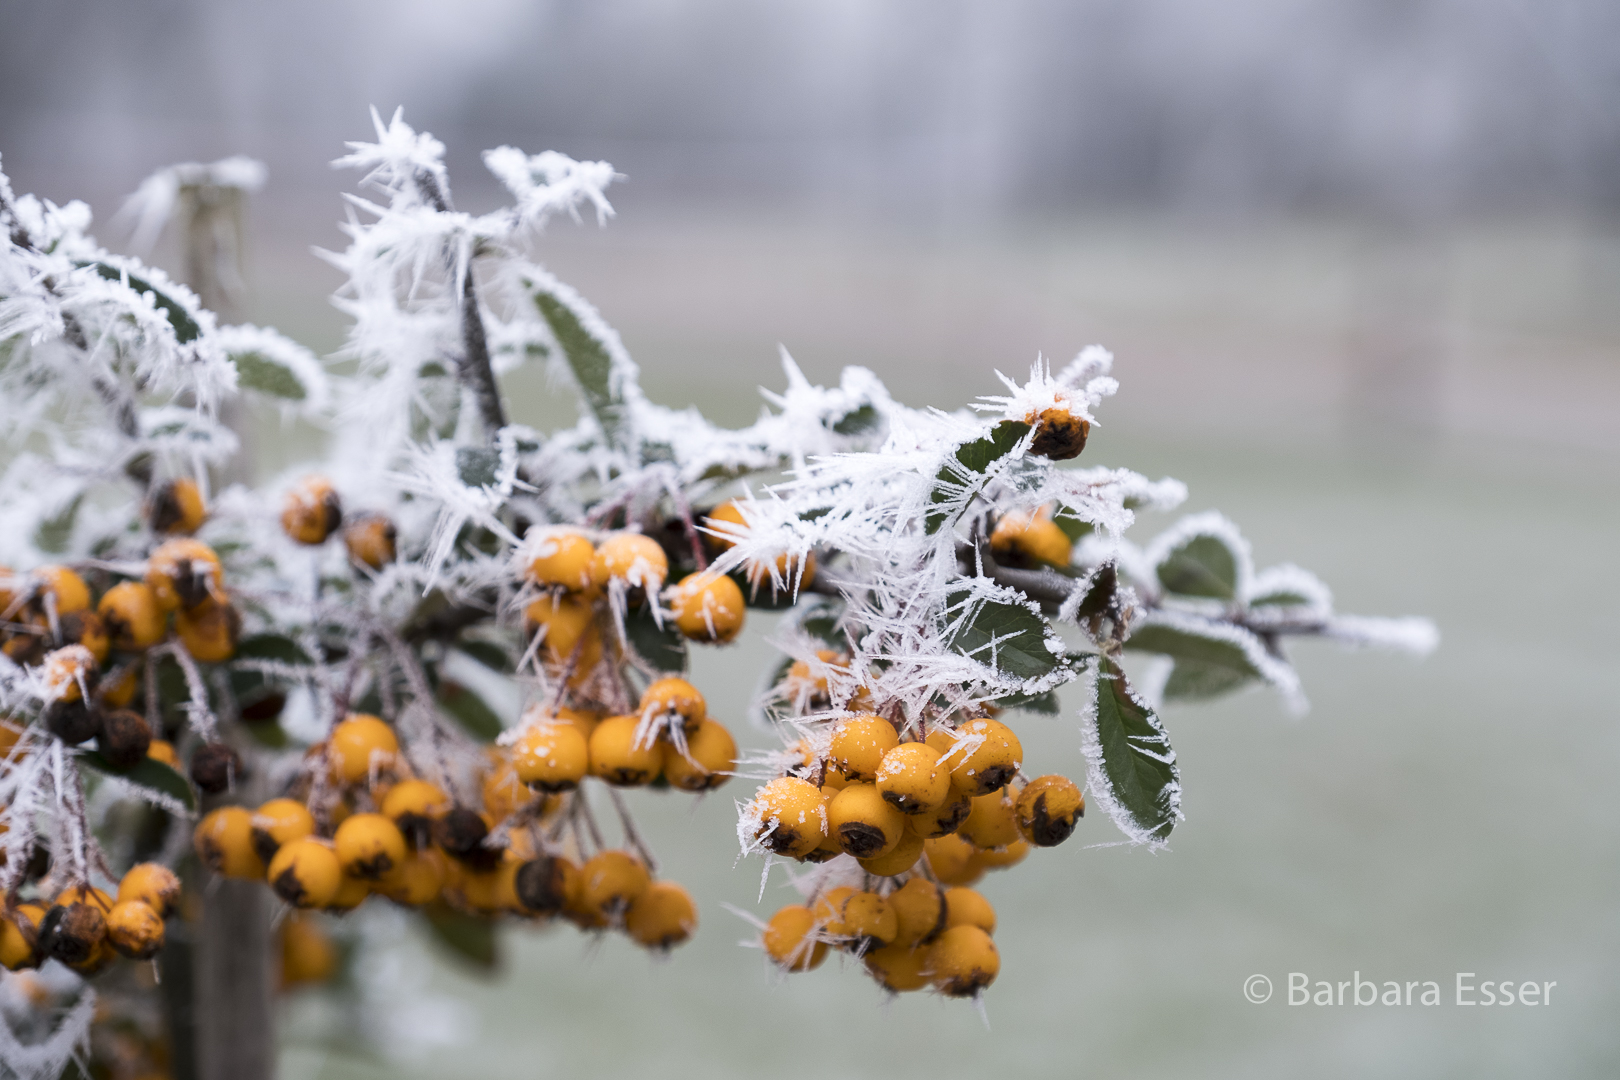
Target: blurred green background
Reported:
[(1358, 264)]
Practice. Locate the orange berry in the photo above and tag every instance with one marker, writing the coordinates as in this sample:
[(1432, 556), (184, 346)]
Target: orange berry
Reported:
[(559, 558), (358, 744), (306, 873), (953, 860), (963, 961), (371, 540), (135, 930), (711, 755), (789, 939), (1001, 858), (944, 819), (616, 757), (568, 623), (636, 560), (176, 507), (989, 765), (551, 756), (898, 859), (368, 846), (791, 817), (133, 615), (869, 919), (866, 825), (182, 573), (414, 805), (67, 589), (418, 879), (897, 967), (311, 511), (307, 953), (162, 750), (224, 842), (965, 907), (209, 631), (280, 821), (708, 607), (1025, 539), (829, 911), (1048, 808), (912, 779), (675, 697), (919, 910), (66, 672), (611, 881), (154, 884), (661, 917), (859, 744), (993, 822)]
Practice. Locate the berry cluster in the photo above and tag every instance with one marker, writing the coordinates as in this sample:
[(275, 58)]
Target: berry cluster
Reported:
[(922, 810), (85, 928)]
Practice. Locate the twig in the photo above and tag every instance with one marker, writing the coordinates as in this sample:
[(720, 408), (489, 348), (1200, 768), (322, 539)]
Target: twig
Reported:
[(630, 832)]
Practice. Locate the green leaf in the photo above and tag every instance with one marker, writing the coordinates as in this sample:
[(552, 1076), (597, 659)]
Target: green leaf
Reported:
[(52, 534), (147, 773), (469, 709), (487, 653), (1046, 704), (592, 365), (858, 422), (1197, 680), (1019, 634), (477, 466), (185, 327), (468, 937), (1281, 598), (968, 470), (664, 649), (1134, 759), (256, 371), (1201, 565), (271, 647)]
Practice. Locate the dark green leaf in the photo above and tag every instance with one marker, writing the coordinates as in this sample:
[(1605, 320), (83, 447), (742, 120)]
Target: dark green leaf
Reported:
[(256, 371), (1199, 680), (1046, 704), (271, 647), (664, 649), (468, 937), (147, 773), (1281, 598), (185, 327), (489, 654), (1020, 637), (592, 365), (268, 733), (1202, 565), (858, 422), (477, 466), (972, 461), (1137, 763), (469, 709), (52, 534)]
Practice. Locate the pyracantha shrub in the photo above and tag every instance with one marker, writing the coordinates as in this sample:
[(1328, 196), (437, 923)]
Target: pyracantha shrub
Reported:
[(320, 641)]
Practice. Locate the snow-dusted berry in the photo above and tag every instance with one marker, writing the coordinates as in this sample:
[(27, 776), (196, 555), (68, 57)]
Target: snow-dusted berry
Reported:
[(912, 779), (708, 607), (634, 559), (371, 540), (675, 698), (790, 939), (176, 506), (135, 930), (989, 765), (311, 511), (183, 573), (617, 756), (865, 824), (992, 823), (551, 756), (710, 757), (789, 816), (859, 744)]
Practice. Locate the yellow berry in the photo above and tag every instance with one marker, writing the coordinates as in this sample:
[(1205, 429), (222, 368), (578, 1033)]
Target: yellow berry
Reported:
[(551, 757), (711, 755), (866, 825), (993, 822), (559, 558), (371, 540), (708, 607), (182, 573), (953, 860), (307, 953), (368, 846), (965, 907), (311, 511), (789, 939), (859, 744), (726, 514), (358, 744), (116, 689), (224, 842), (790, 815), (989, 765), (611, 881), (67, 589), (1024, 539), (1000, 858), (898, 967), (134, 929), (963, 961), (829, 911), (569, 624), (912, 779), (617, 758), (674, 697), (154, 884), (898, 859), (504, 793), (305, 873), (944, 819), (661, 917), (66, 672), (414, 805), (1048, 808), (636, 560), (869, 919), (134, 618), (280, 821), (163, 750), (418, 879), (176, 507), (209, 631), (16, 950), (919, 911)]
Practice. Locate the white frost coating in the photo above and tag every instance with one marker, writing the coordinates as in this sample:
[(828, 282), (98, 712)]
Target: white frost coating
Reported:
[(47, 1058), (1411, 634), (1102, 792), (1291, 580), (1079, 388), (152, 204), (548, 183)]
